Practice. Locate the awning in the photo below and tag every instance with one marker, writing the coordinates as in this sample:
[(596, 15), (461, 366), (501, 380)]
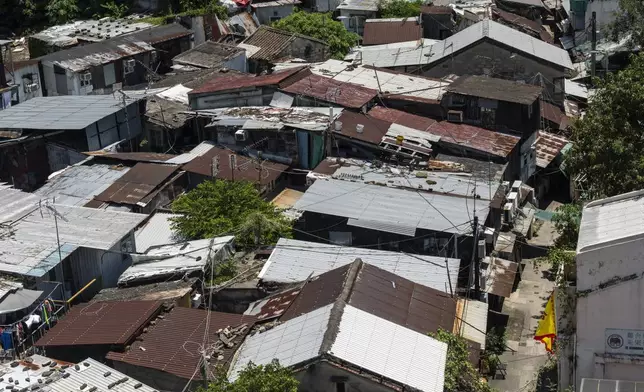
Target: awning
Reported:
[(19, 300)]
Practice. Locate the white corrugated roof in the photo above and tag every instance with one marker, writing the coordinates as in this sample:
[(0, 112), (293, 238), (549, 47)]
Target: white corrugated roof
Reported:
[(610, 220), (358, 338), (293, 261), (198, 151), (485, 28), (390, 350), (390, 206), (387, 82), (181, 258), (156, 231), (93, 374)]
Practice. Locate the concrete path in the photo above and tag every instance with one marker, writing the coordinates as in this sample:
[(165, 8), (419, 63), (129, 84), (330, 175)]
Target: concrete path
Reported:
[(524, 308)]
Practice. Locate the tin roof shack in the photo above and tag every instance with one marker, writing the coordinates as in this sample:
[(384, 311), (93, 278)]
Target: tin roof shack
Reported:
[(392, 30), (282, 134), (166, 359), (268, 12), (608, 322), (316, 90), (176, 261), (411, 93), (364, 214), (79, 123), (549, 149), (26, 76), (144, 188), (523, 24), (92, 242), (484, 48), (500, 105), (235, 167), (268, 45), (107, 66), (213, 55), (233, 89), (94, 329), (79, 33), (348, 333), (438, 22)]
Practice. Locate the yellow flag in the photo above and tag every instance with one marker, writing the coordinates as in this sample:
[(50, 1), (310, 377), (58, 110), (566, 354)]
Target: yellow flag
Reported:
[(547, 330)]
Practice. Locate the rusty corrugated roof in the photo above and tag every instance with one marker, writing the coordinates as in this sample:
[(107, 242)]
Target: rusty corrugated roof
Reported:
[(497, 89), (474, 138), (548, 146), (273, 306), (105, 323), (172, 344), (233, 81), (524, 24), (402, 118), (247, 169), (330, 90), (380, 293), (137, 183), (378, 32), (374, 129), (500, 277), (273, 42)]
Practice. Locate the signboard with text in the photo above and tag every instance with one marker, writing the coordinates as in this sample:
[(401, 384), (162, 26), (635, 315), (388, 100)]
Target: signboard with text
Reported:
[(624, 341)]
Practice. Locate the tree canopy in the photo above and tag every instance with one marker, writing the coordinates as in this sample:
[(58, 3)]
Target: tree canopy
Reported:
[(629, 19), (460, 375), (608, 141), (400, 8), (257, 378), (322, 27), (567, 219), (229, 208)]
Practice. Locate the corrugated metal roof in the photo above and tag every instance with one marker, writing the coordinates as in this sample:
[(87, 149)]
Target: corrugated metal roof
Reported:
[(273, 306), (548, 146), (7, 287), (235, 81), (167, 292), (131, 156), (198, 151), (330, 90), (473, 320), (137, 183), (555, 114), (88, 31), (485, 29), (178, 260), (575, 89), (497, 89), (470, 137), (104, 323), (172, 344), (277, 3), (605, 221), (373, 131), (29, 244), (294, 261), (208, 55), (532, 27), (28, 374), (157, 230), (390, 350), (82, 57), (401, 117), (92, 373), (64, 112), (387, 31), (386, 206), (77, 185), (500, 276), (359, 5), (393, 84), (272, 42), (380, 293), (247, 169)]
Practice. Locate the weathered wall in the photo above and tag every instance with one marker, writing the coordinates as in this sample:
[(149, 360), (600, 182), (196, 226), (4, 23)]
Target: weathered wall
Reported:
[(26, 75), (250, 97), (356, 19), (264, 14), (437, 26), (324, 377)]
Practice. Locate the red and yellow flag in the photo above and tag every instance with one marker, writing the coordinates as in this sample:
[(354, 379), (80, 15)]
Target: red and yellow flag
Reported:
[(547, 329)]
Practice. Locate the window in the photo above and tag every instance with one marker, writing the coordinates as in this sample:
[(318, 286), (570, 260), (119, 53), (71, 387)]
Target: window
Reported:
[(128, 66), (85, 79), (457, 100)]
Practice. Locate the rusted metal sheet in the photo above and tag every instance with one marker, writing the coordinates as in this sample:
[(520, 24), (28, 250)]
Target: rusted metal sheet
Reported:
[(374, 129), (475, 138), (273, 306), (172, 344), (501, 276), (273, 42), (107, 323), (333, 91), (137, 183), (378, 32), (548, 146), (234, 81), (496, 89), (402, 118)]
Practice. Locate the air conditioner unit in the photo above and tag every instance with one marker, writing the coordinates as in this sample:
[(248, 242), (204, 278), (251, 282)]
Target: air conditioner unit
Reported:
[(86, 77), (516, 186), (513, 197), (128, 66), (241, 135), (455, 116), (507, 213), (481, 249), (26, 87)]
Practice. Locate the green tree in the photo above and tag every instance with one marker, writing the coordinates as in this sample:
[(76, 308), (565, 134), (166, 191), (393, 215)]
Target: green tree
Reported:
[(608, 141), (322, 27), (460, 375), (62, 11), (258, 378), (567, 219), (628, 22), (225, 208), (114, 10), (399, 8)]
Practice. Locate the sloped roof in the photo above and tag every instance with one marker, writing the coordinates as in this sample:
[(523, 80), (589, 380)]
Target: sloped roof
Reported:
[(497, 89), (208, 55), (548, 146), (333, 91), (387, 31), (234, 80), (272, 42)]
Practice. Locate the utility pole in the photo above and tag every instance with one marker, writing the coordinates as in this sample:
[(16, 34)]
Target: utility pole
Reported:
[(477, 264), (593, 25), (259, 171), (232, 161), (214, 167)]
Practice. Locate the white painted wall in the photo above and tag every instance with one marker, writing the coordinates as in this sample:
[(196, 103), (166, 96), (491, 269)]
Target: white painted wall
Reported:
[(264, 14)]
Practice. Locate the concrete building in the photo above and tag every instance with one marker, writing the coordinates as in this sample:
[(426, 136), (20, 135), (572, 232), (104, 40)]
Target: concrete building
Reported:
[(271, 11), (354, 13), (106, 66), (486, 48), (609, 317)]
